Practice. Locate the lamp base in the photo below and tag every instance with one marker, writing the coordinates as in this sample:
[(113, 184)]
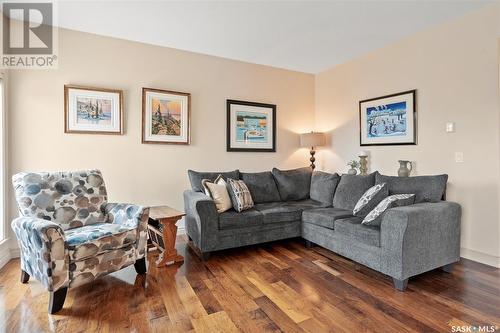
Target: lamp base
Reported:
[(312, 159)]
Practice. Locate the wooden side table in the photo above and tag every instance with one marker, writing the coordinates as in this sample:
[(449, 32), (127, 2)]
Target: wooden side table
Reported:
[(164, 234)]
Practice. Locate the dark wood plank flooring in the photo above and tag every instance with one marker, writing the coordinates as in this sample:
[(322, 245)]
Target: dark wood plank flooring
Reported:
[(274, 287)]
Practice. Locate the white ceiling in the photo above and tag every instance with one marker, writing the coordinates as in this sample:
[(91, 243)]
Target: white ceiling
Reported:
[(307, 36)]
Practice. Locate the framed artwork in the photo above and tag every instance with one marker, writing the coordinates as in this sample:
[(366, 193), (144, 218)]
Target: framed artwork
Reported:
[(251, 126), (165, 116), (388, 120), (93, 110)]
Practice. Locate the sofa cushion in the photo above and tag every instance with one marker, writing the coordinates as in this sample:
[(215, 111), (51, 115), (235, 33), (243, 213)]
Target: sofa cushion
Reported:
[(275, 212), (232, 219), (370, 199), (195, 177), (325, 217), (262, 186), (293, 184), (217, 190), (425, 188), (323, 185), (91, 240), (306, 204), (353, 229), (240, 195), (350, 189)]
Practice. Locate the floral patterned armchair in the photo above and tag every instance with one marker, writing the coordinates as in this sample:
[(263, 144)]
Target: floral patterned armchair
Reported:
[(70, 235)]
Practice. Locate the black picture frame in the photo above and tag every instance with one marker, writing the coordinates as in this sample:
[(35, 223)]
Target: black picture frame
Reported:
[(413, 93), (231, 102)]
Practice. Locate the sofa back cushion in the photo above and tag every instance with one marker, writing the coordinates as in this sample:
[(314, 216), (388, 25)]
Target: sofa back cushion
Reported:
[(293, 184), (195, 177), (70, 199), (262, 186), (350, 190), (323, 185), (425, 188)]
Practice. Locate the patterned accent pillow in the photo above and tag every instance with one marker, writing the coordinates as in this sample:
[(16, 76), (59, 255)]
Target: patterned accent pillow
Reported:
[(217, 190), (370, 199), (374, 218), (240, 195)]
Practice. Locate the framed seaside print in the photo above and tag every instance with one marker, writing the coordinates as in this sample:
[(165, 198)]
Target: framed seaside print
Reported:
[(251, 126), (165, 116), (92, 110), (388, 120)]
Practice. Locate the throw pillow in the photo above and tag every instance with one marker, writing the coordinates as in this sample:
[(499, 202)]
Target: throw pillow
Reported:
[(217, 190), (262, 186), (240, 195), (293, 184), (350, 189), (195, 177), (370, 199), (374, 218), (323, 185), (425, 188)]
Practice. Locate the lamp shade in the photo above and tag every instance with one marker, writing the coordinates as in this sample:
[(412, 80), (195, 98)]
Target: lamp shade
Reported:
[(312, 139)]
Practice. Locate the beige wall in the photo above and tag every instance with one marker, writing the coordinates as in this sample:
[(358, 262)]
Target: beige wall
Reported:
[(147, 173), (454, 67)]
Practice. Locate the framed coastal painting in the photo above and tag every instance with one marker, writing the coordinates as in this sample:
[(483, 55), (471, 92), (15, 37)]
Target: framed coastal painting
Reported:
[(388, 120), (93, 110), (251, 126), (165, 116)]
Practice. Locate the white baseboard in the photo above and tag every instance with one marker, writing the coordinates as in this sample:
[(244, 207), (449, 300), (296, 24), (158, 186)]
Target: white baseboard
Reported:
[(481, 257), (15, 253)]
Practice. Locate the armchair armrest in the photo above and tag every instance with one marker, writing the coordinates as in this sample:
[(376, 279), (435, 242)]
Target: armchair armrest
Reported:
[(43, 251), (201, 219), (132, 216), (420, 237)]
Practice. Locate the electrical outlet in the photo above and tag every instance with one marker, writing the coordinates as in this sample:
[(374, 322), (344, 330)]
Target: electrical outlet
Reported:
[(459, 157)]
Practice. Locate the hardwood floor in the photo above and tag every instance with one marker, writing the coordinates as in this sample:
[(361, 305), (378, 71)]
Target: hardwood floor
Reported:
[(280, 286)]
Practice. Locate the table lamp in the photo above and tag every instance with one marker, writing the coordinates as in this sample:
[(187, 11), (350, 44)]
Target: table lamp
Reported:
[(312, 140)]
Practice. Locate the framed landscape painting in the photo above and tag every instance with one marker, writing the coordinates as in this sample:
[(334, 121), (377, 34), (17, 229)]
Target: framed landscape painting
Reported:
[(92, 110), (251, 126), (388, 120), (165, 116)]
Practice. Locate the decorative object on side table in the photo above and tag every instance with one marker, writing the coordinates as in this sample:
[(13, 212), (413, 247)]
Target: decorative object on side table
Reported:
[(162, 231), (92, 110), (403, 170), (354, 165), (363, 163), (388, 120), (165, 116), (251, 126), (312, 140)]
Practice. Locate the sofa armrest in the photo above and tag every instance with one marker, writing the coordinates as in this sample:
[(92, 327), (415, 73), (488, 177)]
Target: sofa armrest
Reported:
[(201, 219), (44, 255), (131, 216), (420, 237)]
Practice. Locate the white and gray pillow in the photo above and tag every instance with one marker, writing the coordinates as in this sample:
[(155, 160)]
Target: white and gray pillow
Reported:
[(374, 218), (370, 199), (240, 195), (217, 190)]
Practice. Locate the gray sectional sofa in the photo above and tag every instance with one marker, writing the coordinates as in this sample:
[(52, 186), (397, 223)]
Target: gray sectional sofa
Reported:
[(317, 206)]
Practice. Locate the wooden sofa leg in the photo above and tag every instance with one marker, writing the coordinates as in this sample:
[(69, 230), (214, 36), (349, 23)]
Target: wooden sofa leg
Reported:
[(140, 266), (309, 244), (25, 277), (205, 256), (400, 284), (57, 299), (448, 268)]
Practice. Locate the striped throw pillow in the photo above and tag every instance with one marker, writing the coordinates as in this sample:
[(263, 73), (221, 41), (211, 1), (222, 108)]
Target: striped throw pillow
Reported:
[(240, 195)]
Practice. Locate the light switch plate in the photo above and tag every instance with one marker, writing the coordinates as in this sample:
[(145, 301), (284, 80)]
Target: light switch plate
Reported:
[(450, 127), (459, 157)]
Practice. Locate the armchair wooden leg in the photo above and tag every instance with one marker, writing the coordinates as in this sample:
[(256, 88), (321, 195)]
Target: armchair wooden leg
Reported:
[(25, 277), (400, 284), (140, 266), (57, 299)]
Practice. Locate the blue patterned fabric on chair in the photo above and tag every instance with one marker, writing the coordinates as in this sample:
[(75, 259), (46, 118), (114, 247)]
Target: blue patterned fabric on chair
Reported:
[(70, 235)]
